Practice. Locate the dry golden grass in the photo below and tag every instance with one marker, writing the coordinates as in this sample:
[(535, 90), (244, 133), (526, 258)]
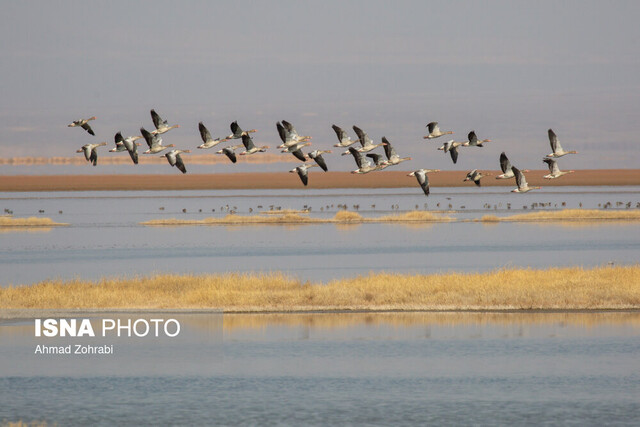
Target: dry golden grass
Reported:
[(232, 219), (348, 216), (294, 217), (417, 216), (28, 222), (556, 288), (569, 215)]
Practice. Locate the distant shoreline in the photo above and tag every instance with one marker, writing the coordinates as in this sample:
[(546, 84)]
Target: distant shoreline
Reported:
[(15, 314), (285, 180)]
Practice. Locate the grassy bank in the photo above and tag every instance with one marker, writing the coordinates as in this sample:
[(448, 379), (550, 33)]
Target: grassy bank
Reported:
[(350, 217), (289, 217), (556, 288), (568, 215), (7, 221)]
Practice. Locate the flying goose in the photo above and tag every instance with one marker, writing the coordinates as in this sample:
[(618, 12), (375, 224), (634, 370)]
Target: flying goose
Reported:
[(237, 131), (316, 155), (119, 147), (207, 140), (423, 180), (505, 165), (377, 160), (249, 146), (344, 140), (154, 142), (364, 166), (451, 147), (475, 176), (434, 131), (556, 147), (473, 140), (302, 172), (296, 150), (174, 159), (294, 134), (90, 152), (392, 157), (84, 124), (161, 125), (521, 182), (129, 144), (120, 144), (288, 139), (554, 170), (365, 141), (230, 152)]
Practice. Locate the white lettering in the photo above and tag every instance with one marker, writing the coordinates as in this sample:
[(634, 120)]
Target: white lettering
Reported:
[(135, 328), (166, 327)]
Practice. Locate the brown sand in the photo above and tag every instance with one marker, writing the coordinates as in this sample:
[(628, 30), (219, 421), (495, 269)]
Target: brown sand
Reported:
[(277, 180)]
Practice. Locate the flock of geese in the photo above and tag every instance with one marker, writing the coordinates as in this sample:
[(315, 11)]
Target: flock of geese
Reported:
[(294, 143)]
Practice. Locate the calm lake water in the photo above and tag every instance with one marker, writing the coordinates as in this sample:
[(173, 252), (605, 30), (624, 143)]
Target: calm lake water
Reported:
[(375, 369), (106, 239)]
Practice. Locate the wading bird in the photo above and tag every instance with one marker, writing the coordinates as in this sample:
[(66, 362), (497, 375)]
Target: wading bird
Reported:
[(84, 124)]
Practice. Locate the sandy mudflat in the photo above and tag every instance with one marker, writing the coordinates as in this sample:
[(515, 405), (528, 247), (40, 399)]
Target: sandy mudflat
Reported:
[(277, 180)]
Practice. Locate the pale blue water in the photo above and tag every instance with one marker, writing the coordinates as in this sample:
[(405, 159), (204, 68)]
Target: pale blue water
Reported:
[(105, 237), (374, 369)]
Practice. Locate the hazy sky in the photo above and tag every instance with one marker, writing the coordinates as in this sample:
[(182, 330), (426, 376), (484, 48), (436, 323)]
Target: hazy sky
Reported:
[(510, 70)]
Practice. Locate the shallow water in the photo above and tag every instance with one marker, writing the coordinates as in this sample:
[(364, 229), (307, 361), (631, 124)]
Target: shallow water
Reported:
[(105, 237), (378, 369)]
